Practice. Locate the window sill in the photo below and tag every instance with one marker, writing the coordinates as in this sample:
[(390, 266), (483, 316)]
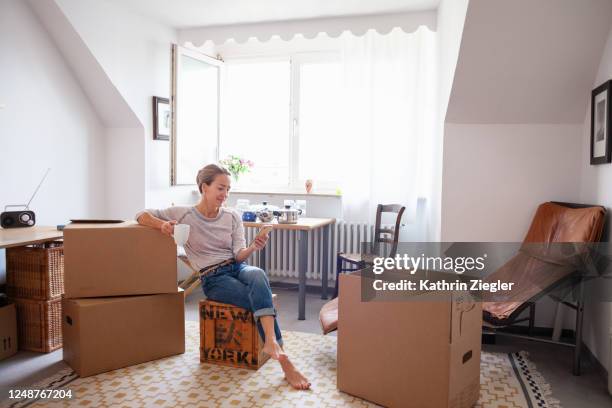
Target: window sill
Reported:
[(292, 193), (288, 192)]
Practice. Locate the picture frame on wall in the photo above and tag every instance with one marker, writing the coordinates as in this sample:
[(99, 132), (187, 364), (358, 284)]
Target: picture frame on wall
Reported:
[(601, 115), (162, 118)]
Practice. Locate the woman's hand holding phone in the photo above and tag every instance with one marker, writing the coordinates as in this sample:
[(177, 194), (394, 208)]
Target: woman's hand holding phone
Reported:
[(262, 237)]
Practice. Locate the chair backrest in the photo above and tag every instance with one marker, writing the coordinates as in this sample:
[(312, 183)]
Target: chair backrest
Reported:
[(388, 235), (566, 222)]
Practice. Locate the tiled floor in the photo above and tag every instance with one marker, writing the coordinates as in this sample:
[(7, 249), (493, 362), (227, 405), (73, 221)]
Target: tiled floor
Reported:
[(555, 364), (586, 391)]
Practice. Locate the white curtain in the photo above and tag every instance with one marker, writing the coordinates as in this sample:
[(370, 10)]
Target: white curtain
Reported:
[(390, 145)]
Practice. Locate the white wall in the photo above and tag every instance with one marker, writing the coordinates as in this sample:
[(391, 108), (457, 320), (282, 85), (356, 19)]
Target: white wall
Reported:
[(595, 188), (47, 122), (494, 178), (135, 52), (451, 19), (496, 175), (450, 22), (124, 162)]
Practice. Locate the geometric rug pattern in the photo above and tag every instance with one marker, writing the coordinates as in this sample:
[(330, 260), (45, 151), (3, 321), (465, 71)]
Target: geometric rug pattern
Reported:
[(507, 381), (512, 381)]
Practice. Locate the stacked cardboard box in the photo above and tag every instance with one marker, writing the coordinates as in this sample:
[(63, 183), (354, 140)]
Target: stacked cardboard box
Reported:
[(8, 331), (121, 305)]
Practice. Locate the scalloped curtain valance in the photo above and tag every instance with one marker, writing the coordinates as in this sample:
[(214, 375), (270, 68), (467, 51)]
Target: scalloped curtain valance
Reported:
[(287, 30)]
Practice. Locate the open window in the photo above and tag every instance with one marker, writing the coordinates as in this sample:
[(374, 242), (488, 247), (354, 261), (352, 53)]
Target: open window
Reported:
[(279, 112), (196, 113)]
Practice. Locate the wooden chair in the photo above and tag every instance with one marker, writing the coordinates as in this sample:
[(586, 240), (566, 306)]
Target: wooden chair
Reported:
[(193, 281), (381, 236)]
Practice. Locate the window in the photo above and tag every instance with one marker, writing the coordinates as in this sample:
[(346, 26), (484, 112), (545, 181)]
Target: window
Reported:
[(196, 106), (281, 113), (255, 119), (317, 121)]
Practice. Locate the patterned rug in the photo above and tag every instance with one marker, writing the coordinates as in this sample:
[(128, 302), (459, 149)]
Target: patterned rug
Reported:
[(507, 380)]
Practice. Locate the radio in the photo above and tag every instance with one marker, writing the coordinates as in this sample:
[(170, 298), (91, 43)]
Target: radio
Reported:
[(22, 218), (16, 219)]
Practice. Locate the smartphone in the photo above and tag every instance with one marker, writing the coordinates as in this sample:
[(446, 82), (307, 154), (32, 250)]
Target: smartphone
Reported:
[(264, 231)]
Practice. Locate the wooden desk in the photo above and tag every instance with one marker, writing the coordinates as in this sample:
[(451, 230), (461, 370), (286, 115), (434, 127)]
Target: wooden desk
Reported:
[(302, 229), (12, 237)]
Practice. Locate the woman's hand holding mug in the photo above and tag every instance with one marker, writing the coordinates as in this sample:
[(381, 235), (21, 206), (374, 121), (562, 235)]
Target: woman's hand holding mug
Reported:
[(167, 228), (181, 234)]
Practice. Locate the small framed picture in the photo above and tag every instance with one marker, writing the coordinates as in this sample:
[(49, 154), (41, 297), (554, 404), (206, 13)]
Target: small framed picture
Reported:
[(162, 118), (601, 114)]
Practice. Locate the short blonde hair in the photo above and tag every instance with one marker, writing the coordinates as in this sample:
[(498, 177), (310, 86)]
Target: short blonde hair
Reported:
[(207, 174)]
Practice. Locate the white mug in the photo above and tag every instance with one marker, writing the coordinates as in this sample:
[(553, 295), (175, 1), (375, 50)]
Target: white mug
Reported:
[(181, 234)]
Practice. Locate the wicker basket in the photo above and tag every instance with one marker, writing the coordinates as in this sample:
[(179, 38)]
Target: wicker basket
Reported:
[(35, 271), (39, 324)]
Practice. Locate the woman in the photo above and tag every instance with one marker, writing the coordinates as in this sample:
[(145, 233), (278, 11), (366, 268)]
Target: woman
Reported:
[(216, 244)]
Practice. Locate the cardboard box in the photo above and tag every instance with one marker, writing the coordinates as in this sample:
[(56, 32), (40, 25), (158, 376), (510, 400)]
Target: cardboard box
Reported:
[(408, 353), (103, 334), (117, 259), (229, 336), (8, 331)]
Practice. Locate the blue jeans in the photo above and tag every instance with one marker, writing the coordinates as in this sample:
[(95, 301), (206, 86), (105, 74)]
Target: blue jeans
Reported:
[(244, 286)]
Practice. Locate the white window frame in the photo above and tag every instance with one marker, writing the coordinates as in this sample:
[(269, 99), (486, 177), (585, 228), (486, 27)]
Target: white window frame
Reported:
[(297, 60), (252, 59), (294, 182), (177, 53)]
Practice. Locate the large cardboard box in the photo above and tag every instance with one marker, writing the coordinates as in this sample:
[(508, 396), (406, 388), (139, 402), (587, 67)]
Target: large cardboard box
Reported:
[(117, 259), (103, 334), (8, 331), (408, 353)]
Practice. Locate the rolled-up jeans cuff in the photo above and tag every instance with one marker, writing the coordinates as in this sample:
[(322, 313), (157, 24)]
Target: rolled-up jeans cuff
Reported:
[(268, 311)]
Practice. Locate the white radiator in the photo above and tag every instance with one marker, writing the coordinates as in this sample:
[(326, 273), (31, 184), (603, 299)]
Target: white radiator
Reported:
[(282, 249)]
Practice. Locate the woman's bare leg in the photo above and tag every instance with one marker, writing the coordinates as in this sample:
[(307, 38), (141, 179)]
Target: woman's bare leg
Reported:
[(275, 351), (271, 346)]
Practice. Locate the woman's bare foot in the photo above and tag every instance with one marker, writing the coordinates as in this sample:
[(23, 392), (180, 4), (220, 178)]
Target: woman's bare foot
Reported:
[(292, 375), (273, 349)]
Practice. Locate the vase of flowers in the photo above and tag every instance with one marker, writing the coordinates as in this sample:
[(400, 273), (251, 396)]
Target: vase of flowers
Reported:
[(237, 166)]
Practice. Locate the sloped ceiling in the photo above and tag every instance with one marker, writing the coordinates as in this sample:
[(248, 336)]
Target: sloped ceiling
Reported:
[(110, 105), (525, 61)]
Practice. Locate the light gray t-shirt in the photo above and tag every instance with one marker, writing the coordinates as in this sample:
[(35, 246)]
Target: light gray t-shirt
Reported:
[(211, 240)]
